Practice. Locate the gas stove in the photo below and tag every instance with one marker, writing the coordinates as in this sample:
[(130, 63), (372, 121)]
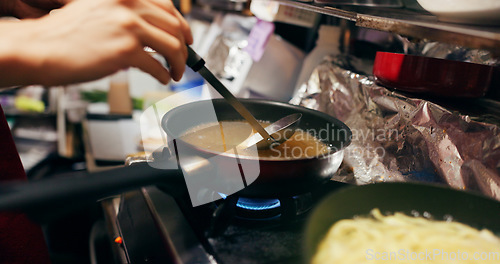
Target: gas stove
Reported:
[(151, 226)]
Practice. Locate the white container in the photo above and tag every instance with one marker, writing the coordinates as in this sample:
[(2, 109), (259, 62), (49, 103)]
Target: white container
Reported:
[(485, 12), (112, 137), (327, 44)]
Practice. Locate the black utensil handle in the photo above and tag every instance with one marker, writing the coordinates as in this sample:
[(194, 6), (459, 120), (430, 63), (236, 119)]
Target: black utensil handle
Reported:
[(51, 195), (194, 61)]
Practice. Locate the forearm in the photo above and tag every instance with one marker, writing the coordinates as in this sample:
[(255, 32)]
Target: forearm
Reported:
[(16, 68)]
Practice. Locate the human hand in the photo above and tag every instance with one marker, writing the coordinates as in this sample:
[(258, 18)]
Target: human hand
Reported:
[(89, 39)]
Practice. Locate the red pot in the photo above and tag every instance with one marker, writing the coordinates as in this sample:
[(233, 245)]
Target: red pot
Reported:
[(432, 76)]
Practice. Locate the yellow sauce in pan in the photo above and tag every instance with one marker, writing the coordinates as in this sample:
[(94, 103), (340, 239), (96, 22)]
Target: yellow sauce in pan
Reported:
[(226, 135)]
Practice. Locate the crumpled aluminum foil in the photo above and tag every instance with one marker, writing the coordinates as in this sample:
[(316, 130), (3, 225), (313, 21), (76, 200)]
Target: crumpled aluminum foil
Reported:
[(447, 51), (398, 138)]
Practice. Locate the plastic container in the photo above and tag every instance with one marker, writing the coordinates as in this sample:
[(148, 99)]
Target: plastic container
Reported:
[(112, 137), (327, 44), (119, 99)]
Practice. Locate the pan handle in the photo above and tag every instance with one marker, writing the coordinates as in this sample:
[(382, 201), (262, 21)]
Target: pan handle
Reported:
[(54, 196)]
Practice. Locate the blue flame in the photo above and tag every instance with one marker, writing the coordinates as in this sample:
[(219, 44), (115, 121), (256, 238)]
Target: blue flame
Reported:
[(256, 204)]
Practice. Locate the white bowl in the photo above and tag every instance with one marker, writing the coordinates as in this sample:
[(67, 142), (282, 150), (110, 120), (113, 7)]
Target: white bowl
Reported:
[(483, 12)]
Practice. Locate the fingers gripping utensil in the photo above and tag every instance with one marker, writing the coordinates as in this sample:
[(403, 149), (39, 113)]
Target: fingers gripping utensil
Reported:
[(197, 64)]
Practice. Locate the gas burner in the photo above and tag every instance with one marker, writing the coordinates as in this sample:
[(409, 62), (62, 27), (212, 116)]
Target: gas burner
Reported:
[(245, 210), (257, 208), (251, 208)]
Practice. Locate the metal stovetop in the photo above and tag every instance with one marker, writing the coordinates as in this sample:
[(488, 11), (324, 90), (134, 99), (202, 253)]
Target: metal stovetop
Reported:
[(156, 228)]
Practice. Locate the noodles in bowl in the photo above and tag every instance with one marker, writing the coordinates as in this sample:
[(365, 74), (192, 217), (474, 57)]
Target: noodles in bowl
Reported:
[(410, 237), (399, 238)]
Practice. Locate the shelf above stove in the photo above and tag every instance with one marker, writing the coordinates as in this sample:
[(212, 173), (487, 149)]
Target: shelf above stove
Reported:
[(417, 24)]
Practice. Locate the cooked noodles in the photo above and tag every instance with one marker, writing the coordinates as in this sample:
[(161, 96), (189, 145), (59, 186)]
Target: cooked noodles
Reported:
[(399, 238)]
